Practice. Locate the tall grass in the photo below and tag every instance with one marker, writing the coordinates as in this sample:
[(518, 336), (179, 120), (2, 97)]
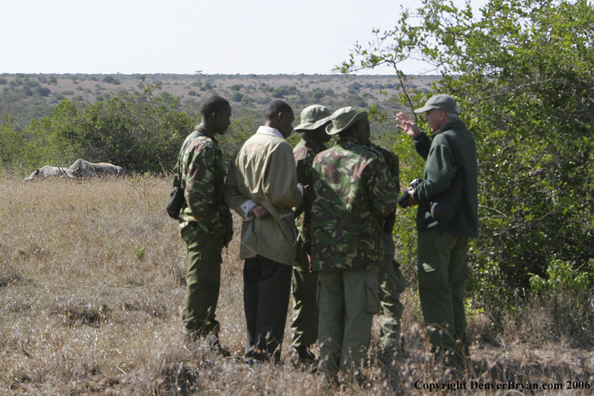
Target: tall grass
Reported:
[(92, 278)]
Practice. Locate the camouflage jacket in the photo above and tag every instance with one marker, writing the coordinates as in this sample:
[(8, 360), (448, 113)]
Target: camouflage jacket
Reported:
[(304, 153), (200, 165), (352, 193), (391, 160)]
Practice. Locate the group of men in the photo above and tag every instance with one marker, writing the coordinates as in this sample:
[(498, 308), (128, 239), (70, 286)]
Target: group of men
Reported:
[(318, 221)]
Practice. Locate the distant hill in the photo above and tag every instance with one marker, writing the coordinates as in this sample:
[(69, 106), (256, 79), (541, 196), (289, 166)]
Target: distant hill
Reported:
[(26, 97)]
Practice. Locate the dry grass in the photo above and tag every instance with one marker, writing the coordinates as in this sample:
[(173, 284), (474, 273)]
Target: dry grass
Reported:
[(91, 286)]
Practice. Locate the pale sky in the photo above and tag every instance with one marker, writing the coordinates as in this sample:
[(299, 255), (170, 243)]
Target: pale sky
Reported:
[(184, 36)]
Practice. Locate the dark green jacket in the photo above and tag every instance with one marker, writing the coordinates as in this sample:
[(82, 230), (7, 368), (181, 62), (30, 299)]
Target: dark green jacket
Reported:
[(440, 169)]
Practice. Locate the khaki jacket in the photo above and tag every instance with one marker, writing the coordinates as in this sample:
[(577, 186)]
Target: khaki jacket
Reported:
[(263, 172)]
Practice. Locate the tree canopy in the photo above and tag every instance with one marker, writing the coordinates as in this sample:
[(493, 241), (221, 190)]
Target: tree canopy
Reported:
[(523, 73)]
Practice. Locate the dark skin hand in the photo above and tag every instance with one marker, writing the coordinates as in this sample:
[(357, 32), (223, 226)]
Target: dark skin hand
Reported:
[(260, 212)]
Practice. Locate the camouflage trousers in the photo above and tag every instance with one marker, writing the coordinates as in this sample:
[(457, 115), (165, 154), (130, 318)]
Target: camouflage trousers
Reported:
[(443, 271), (347, 301), (304, 329), (203, 281), (391, 285)]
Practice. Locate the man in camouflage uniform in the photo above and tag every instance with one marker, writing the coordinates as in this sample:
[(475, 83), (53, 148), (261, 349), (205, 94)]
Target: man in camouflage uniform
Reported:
[(352, 194), (205, 220), (304, 329), (391, 280)]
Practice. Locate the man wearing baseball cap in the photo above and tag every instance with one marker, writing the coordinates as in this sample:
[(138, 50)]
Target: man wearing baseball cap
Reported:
[(352, 193), (443, 245), (304, 284)]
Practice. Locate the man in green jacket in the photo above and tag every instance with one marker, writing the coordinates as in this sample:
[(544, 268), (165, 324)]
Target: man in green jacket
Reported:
[(352, 194), (205, 220), (304, 329), (443, 245), (261, 186)]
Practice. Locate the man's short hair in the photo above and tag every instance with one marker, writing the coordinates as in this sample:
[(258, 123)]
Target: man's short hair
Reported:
[(214, 104), (452, 116), (276, 106)]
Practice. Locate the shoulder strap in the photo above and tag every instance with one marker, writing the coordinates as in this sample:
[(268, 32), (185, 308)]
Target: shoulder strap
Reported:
[(187, 142), (192, 136), (457, 157)]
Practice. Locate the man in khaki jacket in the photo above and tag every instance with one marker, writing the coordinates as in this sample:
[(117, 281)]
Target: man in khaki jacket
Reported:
[(261, 186)]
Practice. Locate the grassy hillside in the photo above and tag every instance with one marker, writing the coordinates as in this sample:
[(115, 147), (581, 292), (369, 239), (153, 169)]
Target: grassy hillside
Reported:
[(32, 96), (91, 289)]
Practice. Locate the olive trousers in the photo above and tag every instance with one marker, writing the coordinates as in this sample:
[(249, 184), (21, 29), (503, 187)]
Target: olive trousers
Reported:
[(391, 285), (347, 301), (443, 272), (304, 328), (203, 282)]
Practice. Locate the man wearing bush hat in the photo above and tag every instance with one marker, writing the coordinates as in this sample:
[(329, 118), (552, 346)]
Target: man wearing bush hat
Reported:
[(443, 244), (391, 281), (352, 193), (304, 284)]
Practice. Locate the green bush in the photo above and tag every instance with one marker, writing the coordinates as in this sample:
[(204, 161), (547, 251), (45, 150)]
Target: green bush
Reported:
[(12, 146), (42, 91), (111, 80), (141, 132), (237, 97)]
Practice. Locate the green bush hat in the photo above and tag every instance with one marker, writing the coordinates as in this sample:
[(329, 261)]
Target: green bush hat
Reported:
[(313, 117), (344, 118), (441, 102)]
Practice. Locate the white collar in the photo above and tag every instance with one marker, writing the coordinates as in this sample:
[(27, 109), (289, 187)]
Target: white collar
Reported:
[(265, 130)]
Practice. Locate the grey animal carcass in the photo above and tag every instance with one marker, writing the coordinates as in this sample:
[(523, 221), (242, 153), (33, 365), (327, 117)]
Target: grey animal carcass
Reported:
[(50, 171), (82, 168)]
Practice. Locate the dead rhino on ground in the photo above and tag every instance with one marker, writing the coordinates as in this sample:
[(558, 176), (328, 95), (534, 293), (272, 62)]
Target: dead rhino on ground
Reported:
[(82, 168), (50, 171)]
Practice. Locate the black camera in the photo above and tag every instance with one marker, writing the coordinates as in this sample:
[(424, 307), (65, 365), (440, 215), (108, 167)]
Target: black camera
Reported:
[(403, 200)]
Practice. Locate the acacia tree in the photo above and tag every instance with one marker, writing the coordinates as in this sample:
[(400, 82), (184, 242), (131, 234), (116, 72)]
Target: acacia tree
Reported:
[(523, 72)]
